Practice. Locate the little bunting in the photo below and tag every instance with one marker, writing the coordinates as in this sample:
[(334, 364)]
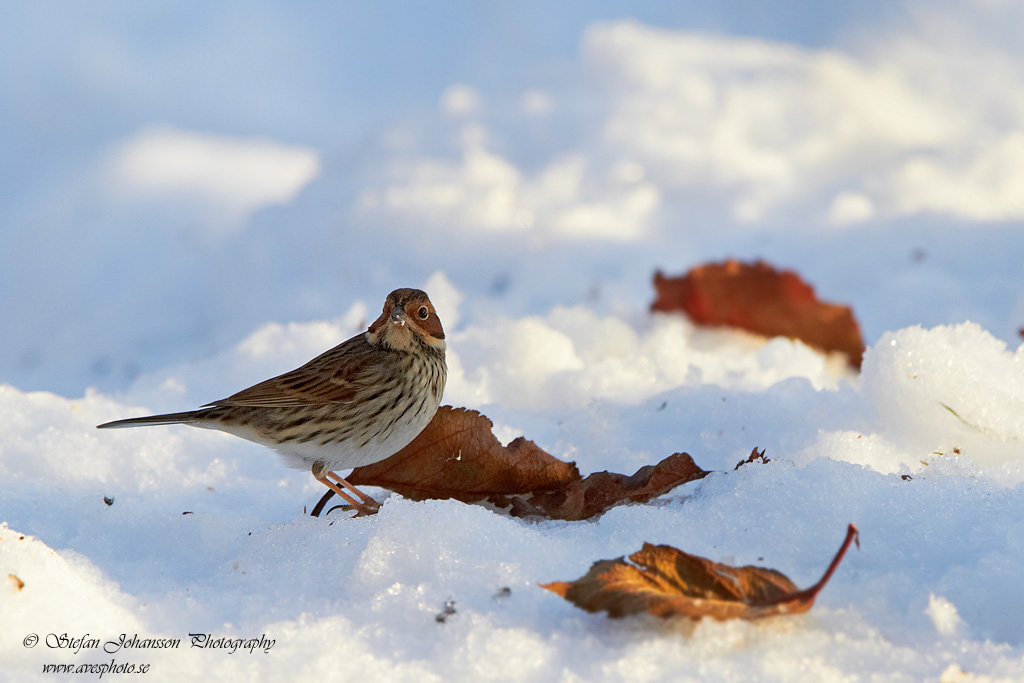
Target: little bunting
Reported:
[(356, 404)]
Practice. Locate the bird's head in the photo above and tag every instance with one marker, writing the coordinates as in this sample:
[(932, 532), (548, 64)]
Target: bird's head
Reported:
[(407, 315)]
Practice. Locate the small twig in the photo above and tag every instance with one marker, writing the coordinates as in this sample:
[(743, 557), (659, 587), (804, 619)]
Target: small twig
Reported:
[(319, 507)]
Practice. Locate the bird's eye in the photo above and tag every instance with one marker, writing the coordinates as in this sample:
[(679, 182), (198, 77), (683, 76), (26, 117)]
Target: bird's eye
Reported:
[(424, 312)]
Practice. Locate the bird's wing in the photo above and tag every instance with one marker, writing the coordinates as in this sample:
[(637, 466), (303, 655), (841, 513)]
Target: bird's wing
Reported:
[(339, 375)]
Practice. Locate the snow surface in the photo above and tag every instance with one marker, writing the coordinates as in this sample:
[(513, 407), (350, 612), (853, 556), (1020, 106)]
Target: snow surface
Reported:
[(195, 198)]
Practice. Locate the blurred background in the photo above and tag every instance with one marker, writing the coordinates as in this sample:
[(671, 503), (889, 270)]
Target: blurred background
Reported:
[(175, 174)]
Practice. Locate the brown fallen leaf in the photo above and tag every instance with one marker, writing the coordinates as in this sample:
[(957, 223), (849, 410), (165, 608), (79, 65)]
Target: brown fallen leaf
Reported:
[(758, 298), (668, 582), (18, 583), (457, 456), (755, 456), (590, 497)]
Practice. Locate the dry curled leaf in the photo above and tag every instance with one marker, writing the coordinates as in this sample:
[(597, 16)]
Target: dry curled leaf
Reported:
[(590, 497), (667, 582), (755, 456), (458, 456), (758, 298)]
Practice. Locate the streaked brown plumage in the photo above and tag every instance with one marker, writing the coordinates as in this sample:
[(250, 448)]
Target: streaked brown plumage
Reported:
[(359, 403)]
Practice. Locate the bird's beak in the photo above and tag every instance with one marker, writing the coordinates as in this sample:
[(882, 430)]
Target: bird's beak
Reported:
[(398, 316)]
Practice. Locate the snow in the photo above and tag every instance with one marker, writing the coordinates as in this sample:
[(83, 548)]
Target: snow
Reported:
[(229, 179), (195, 199)]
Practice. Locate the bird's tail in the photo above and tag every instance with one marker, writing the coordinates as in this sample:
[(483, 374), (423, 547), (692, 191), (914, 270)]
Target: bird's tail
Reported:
[(168, 419)]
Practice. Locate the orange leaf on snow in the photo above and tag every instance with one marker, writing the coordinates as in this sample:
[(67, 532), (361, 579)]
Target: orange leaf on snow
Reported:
[(458, 456), (668, 582), (590, 497), (758, 298), (755, 456)]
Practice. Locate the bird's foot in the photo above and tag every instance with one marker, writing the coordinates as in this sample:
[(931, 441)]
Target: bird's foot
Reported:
[(364, 507)]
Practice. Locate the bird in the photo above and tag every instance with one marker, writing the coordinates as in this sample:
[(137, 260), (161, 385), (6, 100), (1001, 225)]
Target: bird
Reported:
[(355, 404)]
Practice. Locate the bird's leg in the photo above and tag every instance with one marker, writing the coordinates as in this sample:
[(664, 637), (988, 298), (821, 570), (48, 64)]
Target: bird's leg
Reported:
[(318, 470), (368, 507), (365, 498)]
